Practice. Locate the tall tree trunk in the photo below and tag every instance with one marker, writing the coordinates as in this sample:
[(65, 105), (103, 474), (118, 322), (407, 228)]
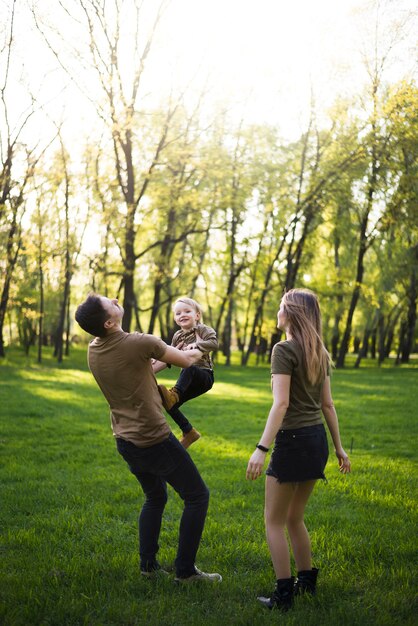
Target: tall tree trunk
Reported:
[(238, 332), (13, 246), (204, 250), (68, 324), (3, 308), (373, 343), (294, 263), (389, 340), (14, 151), (258, 315), (59, 338), (251, 292), (228, 303), (163, 265), (402, 333), (137, 320), (358, 279), (364, 348), (364, 242), (391, 332), (41, 295), (353, 303), (129, 269), (227, 334), (335, 338), (382, 331), (158, 286)]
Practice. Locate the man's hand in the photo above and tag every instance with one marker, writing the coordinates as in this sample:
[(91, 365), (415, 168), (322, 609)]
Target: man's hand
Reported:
[(194, 354), (181, 358)]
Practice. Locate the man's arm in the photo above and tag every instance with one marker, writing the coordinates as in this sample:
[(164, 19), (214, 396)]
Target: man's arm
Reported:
[(181, 358), (158, 366)]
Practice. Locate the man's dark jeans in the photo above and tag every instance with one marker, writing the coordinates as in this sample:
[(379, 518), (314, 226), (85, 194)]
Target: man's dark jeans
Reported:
[(193, 382), (167, 462)]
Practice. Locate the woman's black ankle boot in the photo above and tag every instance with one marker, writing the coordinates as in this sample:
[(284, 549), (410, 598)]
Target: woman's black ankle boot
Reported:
[(306, 581), (282, 596)]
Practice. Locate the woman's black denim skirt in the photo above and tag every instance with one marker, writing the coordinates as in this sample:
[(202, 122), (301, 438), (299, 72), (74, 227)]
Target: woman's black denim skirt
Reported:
[(299, 454)]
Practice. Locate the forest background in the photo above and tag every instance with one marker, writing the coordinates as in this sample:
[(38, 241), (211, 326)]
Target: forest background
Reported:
[(156, 149)]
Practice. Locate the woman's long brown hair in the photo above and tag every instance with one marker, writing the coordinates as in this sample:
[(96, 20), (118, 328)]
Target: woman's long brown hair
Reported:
[(301, 308)]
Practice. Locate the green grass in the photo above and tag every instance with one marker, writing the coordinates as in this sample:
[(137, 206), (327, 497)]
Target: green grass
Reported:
[(69, 505)]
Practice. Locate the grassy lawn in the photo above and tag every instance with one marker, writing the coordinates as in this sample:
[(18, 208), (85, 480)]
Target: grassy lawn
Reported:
[(69, 505)]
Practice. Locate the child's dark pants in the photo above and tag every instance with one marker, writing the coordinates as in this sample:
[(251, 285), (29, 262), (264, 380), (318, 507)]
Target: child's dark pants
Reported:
[(193, 382)]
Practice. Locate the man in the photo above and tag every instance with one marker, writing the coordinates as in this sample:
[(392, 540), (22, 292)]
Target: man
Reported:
[(121, 364)]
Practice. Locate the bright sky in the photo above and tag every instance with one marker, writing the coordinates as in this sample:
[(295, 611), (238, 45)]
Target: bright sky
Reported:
[(266, 53), (264, 56)]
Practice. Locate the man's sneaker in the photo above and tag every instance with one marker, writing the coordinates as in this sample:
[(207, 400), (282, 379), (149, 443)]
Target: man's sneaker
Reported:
[(169, 397), (189, 438), (155, 572), (210, 578)]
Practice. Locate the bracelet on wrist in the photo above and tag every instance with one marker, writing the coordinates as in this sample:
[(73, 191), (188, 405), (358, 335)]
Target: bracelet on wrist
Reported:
[(262, 448)]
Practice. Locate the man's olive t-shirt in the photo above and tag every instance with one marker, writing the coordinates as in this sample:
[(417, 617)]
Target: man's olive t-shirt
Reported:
[(304, 398), (121, 365)]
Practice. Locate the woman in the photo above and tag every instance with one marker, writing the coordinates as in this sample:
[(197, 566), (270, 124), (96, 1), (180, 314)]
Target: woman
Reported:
[(301, 389)]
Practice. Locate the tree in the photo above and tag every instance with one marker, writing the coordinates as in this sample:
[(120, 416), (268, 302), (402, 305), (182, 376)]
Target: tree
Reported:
[(402, 219), (18, 162), (134, 161), (370, 192), (236, 191)]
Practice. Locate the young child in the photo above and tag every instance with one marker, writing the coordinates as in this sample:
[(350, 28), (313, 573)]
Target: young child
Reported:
[(195, 380)]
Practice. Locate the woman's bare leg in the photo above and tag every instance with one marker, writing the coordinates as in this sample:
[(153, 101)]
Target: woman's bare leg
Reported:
[(298, 534), (277, 502)]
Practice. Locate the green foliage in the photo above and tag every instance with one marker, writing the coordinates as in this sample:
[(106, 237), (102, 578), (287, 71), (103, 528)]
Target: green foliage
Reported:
[(69, 505), (232, 215)]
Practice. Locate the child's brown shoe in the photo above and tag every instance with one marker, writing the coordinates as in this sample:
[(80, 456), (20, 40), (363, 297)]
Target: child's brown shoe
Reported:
[(189, 438), (169, 397)]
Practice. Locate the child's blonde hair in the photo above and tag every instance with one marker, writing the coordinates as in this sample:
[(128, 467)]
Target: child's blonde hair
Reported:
[(191, 303)]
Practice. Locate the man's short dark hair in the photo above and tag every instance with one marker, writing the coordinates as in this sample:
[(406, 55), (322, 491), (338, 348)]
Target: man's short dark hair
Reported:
[(91, 316)]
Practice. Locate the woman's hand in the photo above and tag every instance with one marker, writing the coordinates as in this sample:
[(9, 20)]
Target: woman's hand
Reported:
[(343, 461), (255, 464)]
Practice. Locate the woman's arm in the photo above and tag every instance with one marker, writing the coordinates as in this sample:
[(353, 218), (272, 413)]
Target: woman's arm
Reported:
[(280, 386), (330, 414)]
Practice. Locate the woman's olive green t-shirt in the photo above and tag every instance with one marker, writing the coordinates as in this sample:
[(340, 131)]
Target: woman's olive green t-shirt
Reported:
[(304, 398)]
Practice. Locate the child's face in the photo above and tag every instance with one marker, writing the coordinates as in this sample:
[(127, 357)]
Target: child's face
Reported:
[(185, 315)]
